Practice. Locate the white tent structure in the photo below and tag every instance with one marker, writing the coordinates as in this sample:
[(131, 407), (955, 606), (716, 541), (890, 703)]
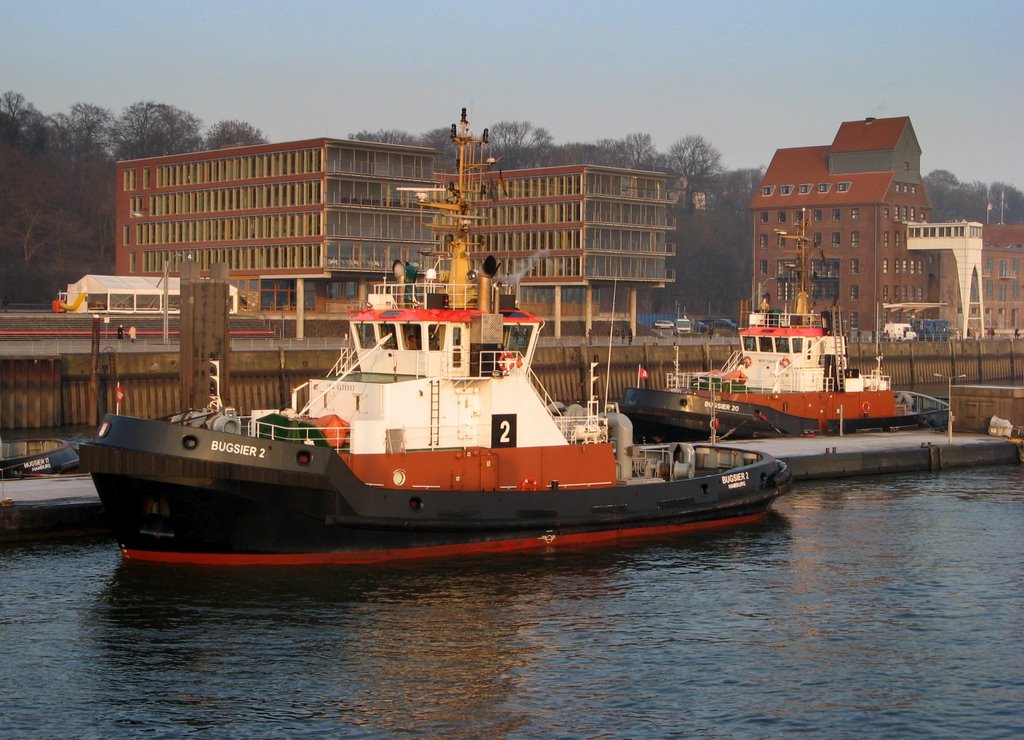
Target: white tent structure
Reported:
[(118, 294)]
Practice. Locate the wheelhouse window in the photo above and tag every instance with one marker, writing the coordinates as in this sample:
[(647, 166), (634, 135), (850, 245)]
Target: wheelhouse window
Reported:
[(411, 336), (517, 337), (782, 344), (392, 330), (798, 344), (765, 344), (364, 335), (435, 337), (750, 344)]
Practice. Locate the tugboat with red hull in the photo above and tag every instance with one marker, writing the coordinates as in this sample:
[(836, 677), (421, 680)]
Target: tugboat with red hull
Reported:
[(789, 376), (431, 437)]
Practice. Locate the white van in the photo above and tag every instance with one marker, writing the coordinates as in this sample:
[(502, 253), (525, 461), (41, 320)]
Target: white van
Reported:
[(684, 326), (898, 332)]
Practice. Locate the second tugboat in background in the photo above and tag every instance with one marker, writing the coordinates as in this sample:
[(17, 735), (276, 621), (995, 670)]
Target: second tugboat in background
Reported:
[(432, 437), (789, 376)]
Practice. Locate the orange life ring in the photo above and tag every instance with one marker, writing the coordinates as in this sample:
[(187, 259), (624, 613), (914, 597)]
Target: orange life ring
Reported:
[(528, 484), (746, 361), (507, 361), (784, 362), (865, 407)]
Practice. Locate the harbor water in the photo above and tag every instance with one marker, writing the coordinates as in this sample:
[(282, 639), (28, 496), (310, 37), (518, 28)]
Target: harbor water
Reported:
[(890, 606)]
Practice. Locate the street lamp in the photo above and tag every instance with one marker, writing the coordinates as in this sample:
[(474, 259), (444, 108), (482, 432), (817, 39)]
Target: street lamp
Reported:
[(949, 401)]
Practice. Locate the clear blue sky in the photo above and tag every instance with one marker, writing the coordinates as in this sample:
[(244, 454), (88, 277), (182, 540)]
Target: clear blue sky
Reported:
[(751, 77)]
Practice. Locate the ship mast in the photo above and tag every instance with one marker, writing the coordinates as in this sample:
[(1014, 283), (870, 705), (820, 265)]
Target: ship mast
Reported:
[(456, 210), (801, 267)]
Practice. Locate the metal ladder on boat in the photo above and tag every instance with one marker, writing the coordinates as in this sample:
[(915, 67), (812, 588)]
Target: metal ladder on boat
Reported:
[(435, 413)]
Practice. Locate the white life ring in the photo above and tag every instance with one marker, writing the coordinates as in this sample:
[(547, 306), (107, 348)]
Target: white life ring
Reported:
[(746, 361), (784, 363)]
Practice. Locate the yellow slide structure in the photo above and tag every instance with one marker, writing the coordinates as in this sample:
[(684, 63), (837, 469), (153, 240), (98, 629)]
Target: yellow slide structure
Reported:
[(61, 307)]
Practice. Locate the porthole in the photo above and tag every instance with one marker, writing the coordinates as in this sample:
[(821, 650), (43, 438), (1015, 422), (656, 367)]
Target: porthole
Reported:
[(303, 457), (415, 503), (189, 442)]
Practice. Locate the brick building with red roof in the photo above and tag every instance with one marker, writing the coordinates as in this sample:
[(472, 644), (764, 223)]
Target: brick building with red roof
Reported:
[(856, 195)]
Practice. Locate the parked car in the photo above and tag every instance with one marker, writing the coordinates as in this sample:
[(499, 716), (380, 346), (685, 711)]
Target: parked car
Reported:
[(663, 324), (717, 326), (897, 332), (683, 325)]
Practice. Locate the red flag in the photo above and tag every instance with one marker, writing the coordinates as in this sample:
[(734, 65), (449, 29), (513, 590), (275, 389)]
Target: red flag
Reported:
[(641, 373), (120, 392)]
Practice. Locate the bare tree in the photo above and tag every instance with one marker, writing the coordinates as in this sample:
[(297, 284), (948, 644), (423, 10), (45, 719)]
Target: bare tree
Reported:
[(21, 125), (697, 163), (232, 133), (148, 129), (639, 151), (83, 132), (386, 136), (518, 144)]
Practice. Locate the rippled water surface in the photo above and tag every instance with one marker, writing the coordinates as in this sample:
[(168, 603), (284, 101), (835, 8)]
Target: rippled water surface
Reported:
[(883, 607)]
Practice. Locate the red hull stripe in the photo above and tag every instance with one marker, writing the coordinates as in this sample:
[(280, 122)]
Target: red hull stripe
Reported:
[(439, 551)]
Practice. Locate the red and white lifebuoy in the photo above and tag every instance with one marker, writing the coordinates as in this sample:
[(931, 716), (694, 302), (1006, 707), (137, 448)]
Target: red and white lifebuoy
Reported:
[(507, 361), (528, 484), (784, 363), (746, 361), (865, 407)]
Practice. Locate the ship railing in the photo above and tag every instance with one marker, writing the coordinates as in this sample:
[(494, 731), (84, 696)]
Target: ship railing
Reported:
[(783, 318), (427, 294)]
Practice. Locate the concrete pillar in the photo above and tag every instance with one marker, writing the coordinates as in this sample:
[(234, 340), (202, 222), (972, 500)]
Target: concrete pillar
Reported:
[(558, 311), (588, 310), (361, 291), (632, 311), (300, 308)]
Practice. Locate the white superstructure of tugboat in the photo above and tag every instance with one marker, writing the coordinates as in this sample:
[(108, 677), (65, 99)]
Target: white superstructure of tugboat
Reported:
[(430, 437)]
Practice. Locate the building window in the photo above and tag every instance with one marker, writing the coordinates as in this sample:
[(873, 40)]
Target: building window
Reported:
[(885, 266), (837, 214), (885, 212), (854, 214), (854, 238), (837, 239), (782, 217), (855, 266), (805, 189), (817, 214), (823, 187), (764, 241), (764, 217), (854, 292), (885, 239), (897, 240), (855, 320), (786, 190), (885, 292), (842, 187), (767, 189), (817, 238), (763, 267)]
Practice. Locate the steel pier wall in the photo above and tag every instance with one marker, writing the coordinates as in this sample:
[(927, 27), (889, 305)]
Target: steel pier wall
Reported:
[(53, 391)]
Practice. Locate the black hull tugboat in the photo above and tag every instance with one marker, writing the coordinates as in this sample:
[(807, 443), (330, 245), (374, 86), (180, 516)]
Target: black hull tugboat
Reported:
[(431, 437), (790, 376), (30, 458)]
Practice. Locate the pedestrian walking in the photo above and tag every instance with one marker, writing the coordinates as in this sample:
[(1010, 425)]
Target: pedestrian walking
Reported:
[(132, 333), (120, 333)]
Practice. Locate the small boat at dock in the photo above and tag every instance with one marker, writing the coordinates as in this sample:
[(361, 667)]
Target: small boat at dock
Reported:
[(26, 458), (790, 375)]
